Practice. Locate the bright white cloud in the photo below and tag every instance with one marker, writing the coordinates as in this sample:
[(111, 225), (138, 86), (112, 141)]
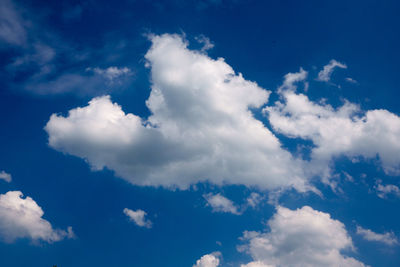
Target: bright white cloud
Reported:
[(388, 238), (219, 203), (22, 218), (346, 130), (325, 74), (5, 176), (302, 237), (139, 217), (209, 260), (383, 191), (200, 129)]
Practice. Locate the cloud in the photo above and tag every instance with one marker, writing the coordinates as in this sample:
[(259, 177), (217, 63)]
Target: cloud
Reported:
[(207, 44), (384, 190), (138, 216), (387, 238), (12, 26), (302, 237), (220, 203), (5, 176), (346, 130), (209, 260), (254, 199), (351, 80), (256, 264), (200, 129), (325, 74), (112, 73), (22, 218)]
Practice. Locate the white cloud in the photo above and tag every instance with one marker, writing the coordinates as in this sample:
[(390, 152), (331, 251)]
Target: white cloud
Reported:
[(302, 237), (200, 129), (387, 238), (325, 74), (209, 260), (256, 264), (112, 73), (346, 130), (22, 218), (5, 176), (220, 203), (384, 190), (12, 26), (139, 217)]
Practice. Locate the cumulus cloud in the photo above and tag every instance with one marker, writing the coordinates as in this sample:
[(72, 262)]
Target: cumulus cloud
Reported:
[(209, 260), (346, 130), (22, 218), (325, 74), (5, 176), (139, 217), (201, 128), (219, 203), (302, 237), (383, 191), (388, 238)]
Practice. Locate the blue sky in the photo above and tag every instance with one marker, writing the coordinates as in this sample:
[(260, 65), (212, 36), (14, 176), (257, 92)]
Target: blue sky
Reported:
[(199, 133)]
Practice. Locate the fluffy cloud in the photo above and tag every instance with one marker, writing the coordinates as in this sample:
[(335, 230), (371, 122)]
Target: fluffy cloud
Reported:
[(208, 260), (22, 218), (302, 237), (139, 217), (5, 176), (346, 130), (201, 128), (220, 203), (325, 74), (387, 238)]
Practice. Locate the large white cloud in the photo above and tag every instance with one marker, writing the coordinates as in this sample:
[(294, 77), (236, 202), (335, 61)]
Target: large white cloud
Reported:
[(22, 218), (201, 128), (346, 130), (302, 237)]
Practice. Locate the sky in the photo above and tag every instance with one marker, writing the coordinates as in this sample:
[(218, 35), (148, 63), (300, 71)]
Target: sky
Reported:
[(199, 133)]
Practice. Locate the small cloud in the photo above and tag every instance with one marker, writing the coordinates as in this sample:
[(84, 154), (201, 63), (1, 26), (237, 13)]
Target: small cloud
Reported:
[(325, 74), (219, 203), (5, 176), (111, 73), (207, 44), (388, 238), (209, 260), (384, 190), (351, 80), (138, 216), (254, 199)]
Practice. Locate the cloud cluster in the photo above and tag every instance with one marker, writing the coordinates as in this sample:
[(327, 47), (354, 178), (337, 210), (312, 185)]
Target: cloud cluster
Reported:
[(201, 128), (22, 218), (346, 130), (302, 237), (387, 238), (383, 191), (209, 260), (138, 217)]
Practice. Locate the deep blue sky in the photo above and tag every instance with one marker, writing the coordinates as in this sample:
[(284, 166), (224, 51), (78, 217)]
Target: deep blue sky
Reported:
[(264, 40)]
